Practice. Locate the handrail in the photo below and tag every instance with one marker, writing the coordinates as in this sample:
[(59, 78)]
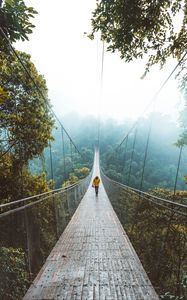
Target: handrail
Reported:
[(39, 195), (24, 206), (147, 195), (51, 194)]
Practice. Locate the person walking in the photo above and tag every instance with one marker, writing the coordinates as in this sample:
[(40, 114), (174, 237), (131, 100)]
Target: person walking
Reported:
[(95, 184)]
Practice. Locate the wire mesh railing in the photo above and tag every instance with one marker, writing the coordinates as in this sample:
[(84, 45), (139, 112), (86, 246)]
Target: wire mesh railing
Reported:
[(29, 228), (157, 228)]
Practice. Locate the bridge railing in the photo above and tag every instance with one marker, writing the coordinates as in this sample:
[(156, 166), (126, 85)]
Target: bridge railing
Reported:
[(157, 229), (33, 225)]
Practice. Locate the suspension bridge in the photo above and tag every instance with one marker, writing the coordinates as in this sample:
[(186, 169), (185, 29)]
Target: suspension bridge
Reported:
[(89, 254), (93, 259)]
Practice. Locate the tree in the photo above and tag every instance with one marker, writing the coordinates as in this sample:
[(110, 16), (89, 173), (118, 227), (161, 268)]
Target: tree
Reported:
[(25, 120), (136, 27), (25, 128), (14, 269), (139, 28), (15, 21), (125, 164)]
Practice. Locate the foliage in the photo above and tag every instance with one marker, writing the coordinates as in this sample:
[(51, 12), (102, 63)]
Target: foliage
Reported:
[(159, 237), (136, 28), (3, 95), (82, 172), (180, 196), (72, 179), (143, 28), (24, 114), (15, 22), (25, 126), (25, 129), (65, 159), (14, 278), (161, 164), (45, 221), (125, 165), (76, 176), (183, 137), (18, 185)]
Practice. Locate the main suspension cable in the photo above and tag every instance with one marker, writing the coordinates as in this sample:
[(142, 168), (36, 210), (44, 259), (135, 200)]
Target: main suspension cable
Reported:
[(37, 88), (101, 91)]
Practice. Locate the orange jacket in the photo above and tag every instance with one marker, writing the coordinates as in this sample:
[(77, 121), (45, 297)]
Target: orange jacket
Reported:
[(96, 181)]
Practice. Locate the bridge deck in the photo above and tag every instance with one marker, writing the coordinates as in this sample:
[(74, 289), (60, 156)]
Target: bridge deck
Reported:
[(93, 259)]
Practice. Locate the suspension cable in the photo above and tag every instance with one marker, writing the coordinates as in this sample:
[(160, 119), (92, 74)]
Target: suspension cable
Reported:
[(101, 90), (9, 148), (178, 166), (63, 151), (71, 155), (154, 98), (125, 154), (132, 155), (145, 155), (37, 88), (165, 203), (51, 193), (51, 161), (43, 165)]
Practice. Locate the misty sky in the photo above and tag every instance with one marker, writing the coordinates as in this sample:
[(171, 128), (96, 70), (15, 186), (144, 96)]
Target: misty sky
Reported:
[(71, 64)]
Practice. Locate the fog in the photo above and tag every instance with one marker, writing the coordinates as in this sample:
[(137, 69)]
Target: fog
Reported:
[(162, 156), (71, 64)]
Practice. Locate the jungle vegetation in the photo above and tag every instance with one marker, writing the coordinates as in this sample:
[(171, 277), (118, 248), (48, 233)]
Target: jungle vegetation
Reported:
[(27, 127)]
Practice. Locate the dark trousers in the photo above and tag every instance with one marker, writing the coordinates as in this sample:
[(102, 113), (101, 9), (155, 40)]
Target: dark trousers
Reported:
[(96, 190)]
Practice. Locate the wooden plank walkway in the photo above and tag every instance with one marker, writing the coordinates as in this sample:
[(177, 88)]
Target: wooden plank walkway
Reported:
[(93, 258)]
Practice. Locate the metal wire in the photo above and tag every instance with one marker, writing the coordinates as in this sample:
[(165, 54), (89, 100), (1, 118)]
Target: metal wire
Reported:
[(52, 194), (145, 155), (9, 148), (63, 151), (101, 93), (36, 86), (178, 166), (132, 154), (39, 195), (154, 98), (51, 161), (170, 205), (125, 154)]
